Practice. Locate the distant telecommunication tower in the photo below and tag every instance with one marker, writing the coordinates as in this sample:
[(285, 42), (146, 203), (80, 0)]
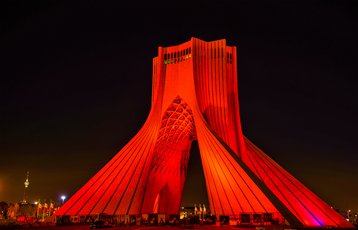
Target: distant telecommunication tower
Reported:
[(26, 187)]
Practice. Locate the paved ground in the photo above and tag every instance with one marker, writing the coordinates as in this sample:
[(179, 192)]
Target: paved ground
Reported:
[(152, 228), (87, 227)]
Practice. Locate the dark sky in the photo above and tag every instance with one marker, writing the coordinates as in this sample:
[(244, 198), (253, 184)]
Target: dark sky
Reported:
[(76, 87)]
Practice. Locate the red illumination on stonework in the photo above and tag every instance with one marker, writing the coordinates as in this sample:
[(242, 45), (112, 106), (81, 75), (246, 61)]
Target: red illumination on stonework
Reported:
[(170, 159), (195, 97)]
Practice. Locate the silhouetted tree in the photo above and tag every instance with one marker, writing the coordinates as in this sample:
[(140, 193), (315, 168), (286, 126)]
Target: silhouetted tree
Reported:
[(3, 210), (13, 211)]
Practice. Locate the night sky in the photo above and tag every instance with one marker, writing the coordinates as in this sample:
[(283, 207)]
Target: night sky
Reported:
[(76, 87)]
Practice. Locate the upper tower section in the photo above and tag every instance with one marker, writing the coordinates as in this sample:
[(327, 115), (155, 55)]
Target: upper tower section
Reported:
[(204, 75), (177, 54)]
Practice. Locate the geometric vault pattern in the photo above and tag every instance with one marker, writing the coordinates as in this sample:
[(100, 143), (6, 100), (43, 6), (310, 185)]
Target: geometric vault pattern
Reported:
[(177, 131)]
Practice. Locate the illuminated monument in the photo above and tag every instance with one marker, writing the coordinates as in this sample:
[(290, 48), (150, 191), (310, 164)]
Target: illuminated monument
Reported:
[(195, 97)]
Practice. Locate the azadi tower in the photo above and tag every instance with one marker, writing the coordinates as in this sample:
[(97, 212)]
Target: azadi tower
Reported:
[(195, 97)]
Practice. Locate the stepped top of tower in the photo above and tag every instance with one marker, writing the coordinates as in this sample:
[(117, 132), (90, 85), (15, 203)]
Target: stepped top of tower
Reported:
[(182, 52), (194, 40)]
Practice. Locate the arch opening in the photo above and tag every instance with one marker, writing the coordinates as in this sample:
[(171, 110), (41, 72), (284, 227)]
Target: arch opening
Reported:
[(195, 191)]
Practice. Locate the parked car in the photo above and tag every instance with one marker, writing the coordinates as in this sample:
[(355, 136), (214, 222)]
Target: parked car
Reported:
[(100, 224)]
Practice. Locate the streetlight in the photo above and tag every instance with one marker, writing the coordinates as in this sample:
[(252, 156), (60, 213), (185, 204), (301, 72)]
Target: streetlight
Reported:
[(63, 197)]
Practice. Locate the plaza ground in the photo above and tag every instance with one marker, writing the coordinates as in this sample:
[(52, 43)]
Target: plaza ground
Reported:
[(87, 227)]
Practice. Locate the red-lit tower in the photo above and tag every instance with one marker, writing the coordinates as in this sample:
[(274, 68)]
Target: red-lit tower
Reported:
[(195, 97)]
